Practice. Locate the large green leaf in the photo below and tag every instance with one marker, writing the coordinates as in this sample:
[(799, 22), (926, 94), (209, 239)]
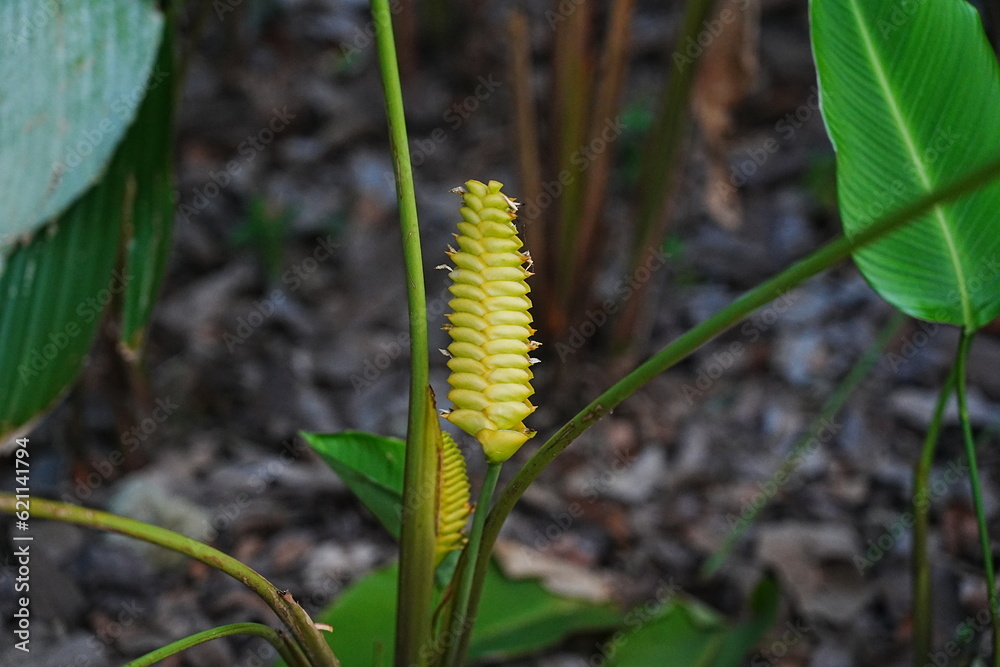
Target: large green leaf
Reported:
[(72, 76), (684, 632), (909, 94), (52, 294), (371, 466), (516, 617), (53, 290)]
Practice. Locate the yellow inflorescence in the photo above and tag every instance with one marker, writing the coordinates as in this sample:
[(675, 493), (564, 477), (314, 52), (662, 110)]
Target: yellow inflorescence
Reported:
[(453, 508), (490, 325)]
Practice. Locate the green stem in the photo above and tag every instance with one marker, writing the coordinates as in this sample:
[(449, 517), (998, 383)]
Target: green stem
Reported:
[(977, 493), (923, 615), (291, 614), (833, 405), (819, 260), (416, 553), (272, 636), (462, 620)]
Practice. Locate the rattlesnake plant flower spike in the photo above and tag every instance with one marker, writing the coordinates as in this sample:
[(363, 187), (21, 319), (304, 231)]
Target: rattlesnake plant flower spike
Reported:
[(490, 324), (453, 501)]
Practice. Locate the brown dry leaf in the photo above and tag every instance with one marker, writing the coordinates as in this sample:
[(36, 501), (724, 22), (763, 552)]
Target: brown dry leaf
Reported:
[(726, 74), (558, 576)]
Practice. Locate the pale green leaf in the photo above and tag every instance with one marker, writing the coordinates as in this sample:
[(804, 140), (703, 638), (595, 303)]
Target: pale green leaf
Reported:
[(72, 76)]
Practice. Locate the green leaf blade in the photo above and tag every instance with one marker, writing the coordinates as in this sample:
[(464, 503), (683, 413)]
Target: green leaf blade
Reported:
[(686, 632), (48, 314), (519, 616), (371, 466), (906, 93), (149, 229)]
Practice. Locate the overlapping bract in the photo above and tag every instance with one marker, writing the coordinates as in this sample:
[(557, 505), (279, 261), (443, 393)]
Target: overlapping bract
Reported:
[(454, 506), (490, 324)]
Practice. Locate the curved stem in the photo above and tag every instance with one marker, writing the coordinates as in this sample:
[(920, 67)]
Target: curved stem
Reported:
[(291, 614), (977, 493), (416, 549), (821, 259), (461, 618), (923, 614), (271, 635)]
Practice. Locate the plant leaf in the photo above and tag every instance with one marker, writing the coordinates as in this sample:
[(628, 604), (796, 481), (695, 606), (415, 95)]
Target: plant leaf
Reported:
[(371, 466), (52, 295), (908, 93), (71, 79), (149, 225), (53, 290), (519, 616), (685, 632)]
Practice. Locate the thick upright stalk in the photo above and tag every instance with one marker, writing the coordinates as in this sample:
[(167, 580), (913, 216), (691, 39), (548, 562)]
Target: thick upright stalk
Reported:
[(291, 614), (816, 262), (416, 554), (977, 493), (923, 616)]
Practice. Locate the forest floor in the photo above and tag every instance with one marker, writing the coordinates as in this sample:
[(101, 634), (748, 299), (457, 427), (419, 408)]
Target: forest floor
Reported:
[(283, 309)]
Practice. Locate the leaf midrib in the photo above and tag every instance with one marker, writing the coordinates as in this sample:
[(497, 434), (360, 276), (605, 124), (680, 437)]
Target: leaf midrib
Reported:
[(921, 169)]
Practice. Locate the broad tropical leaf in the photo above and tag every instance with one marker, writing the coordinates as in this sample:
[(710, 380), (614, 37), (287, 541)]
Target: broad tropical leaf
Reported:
[(518, 616), (909, 94), (55, 288), (72, 76)]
